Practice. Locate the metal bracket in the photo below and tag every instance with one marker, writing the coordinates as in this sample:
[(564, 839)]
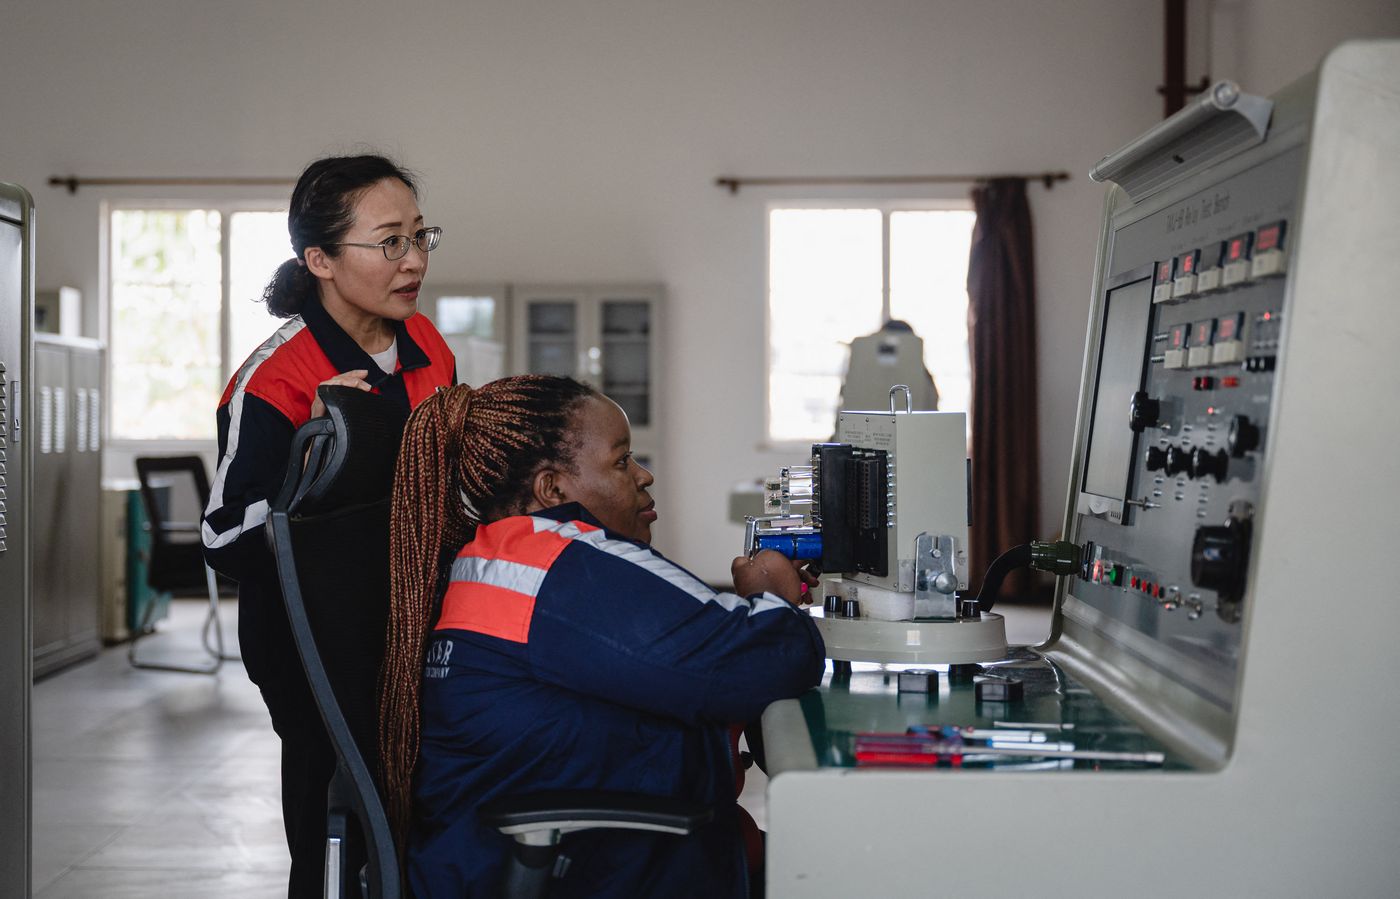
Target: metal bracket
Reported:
[(935, 577)]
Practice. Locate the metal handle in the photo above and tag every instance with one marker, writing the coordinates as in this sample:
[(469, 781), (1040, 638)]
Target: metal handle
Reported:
[(15, 397), (1223, 99), (908, 398)]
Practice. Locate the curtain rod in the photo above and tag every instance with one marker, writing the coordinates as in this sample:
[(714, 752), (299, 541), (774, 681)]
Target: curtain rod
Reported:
[(734, 183), (72, 182)]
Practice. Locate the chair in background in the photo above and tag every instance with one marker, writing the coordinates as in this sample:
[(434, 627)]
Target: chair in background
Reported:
[(171, 485), (329, 529)]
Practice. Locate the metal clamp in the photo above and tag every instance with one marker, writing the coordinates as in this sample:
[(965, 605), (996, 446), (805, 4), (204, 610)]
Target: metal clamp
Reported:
[(935, 577)]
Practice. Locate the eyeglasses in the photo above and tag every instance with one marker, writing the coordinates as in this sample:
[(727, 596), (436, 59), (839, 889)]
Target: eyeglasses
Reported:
[(396, 246)]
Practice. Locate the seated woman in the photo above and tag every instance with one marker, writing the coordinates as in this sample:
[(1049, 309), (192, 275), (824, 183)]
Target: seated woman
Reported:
[(537, 642)]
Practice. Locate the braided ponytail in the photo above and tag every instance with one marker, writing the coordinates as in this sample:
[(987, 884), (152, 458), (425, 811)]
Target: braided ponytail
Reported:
[(467, 457)]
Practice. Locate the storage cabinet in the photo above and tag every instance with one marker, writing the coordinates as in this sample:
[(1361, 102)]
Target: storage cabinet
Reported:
[(473, 319), (65, 512), (605, 335)]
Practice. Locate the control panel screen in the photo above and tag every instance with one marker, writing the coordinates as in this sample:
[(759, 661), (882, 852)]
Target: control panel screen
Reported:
[(1110, 457)]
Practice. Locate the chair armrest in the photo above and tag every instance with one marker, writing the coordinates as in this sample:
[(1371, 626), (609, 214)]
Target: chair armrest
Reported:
[(564, 811)]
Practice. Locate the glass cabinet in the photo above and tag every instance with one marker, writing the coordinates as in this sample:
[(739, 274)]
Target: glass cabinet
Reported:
[(473, 319), (605, 335)]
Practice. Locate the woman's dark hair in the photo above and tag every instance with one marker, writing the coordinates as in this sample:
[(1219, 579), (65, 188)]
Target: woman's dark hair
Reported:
[(468, 457), (322, 211)]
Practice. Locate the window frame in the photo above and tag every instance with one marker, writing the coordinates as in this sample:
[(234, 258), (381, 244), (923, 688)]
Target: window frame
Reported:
[(886, 207), (226, 209)]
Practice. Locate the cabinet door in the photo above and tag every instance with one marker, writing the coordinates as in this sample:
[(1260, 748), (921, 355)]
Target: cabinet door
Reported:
[(83, 480), (551, 338), (46, 519), (626, 370), (474, 320)]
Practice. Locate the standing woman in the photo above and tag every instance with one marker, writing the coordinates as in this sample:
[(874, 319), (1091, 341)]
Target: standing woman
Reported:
[(350, 297)]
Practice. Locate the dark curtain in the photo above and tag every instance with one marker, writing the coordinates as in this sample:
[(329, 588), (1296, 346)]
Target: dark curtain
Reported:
[(1001, 344)]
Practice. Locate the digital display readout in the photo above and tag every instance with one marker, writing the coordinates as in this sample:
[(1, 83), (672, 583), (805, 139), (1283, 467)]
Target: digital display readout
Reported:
[(1177, 337), (1269, 237), (1228, 326), (1237, 248), (1202, 332), (1188, 262), (1164, 272), (1213, 256)]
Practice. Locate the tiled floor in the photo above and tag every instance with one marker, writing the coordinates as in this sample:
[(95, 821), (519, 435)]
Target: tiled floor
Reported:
[(153, 784)]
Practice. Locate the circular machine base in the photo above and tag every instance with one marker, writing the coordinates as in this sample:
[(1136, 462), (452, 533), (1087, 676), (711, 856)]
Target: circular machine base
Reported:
[(920, 641)]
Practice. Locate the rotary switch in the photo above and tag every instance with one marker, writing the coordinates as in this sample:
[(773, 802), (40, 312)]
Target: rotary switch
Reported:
[(1143, 411), (1242, 437), (1204, 462), (1178, 460), (1155, 458), (1219, 557)]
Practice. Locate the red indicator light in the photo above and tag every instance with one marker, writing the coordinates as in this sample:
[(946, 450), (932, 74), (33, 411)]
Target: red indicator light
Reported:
[(1229, 382), (1269, 237), (1210, 410), (1268, 316)]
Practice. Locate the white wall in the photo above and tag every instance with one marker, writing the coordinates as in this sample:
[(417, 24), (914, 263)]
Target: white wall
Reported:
[(579, 140)]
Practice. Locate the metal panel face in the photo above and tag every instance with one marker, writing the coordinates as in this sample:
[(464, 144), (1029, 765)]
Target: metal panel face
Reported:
[(1167, 579)]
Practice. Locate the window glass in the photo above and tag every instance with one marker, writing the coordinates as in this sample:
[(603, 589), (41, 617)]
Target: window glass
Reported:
[(258, 243), (467, 315), (928, 289), (827, 287), (167, 296), (165, 302), (825, 277)]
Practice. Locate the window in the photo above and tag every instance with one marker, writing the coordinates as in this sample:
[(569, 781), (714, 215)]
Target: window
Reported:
[(835, 274), (181, 319)]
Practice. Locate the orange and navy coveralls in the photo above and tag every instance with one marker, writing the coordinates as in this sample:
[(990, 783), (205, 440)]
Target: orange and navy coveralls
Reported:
[(567, 657), (264, 403)]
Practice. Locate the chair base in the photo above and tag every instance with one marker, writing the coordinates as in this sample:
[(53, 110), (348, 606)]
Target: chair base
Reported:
[(211, 622)]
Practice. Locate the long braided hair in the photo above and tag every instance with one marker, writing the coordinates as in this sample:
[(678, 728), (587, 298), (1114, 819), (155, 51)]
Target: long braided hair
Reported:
[(468, 457)]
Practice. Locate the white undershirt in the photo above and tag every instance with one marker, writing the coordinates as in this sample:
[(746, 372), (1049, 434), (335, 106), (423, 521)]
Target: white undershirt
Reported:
[(389, 359)]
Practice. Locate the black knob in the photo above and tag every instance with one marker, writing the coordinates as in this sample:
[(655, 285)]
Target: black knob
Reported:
[(1204, 462), (1178, 460), (1242, 436), (1219, 557), (1143, 411), (1156, 458)]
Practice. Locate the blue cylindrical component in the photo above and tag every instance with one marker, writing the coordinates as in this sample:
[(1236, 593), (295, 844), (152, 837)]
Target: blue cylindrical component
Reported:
[(794, 546)]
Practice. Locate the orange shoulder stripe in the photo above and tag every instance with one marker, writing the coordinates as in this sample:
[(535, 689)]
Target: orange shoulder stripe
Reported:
[(514, 539), (487, 609)]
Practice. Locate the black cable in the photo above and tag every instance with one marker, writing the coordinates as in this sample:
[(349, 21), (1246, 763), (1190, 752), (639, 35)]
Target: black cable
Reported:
[(1007, 562)]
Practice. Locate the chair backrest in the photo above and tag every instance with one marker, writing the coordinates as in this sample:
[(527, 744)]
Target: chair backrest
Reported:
[(329, 528), (174, 490)]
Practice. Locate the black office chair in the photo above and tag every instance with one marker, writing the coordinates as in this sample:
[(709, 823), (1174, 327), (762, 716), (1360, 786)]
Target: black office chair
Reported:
[(329, 530), (171, 485)]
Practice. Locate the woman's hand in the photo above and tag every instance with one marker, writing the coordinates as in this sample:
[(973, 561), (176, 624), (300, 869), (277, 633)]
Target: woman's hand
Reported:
[(353, 378), (772, 572)]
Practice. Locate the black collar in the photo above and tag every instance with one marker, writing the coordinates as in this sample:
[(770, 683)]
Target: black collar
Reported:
[(346, 355)]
